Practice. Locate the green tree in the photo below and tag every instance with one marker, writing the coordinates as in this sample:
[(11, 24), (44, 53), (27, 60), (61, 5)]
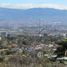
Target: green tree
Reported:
[(62, 47)]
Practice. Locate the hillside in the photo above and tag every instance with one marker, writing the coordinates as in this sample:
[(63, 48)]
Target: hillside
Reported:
[(31, 17)]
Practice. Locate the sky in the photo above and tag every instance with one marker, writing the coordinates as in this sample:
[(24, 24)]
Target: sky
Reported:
[(24, 4)]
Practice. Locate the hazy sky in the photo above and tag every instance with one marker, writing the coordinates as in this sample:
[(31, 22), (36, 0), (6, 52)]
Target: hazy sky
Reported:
[(33, 3)]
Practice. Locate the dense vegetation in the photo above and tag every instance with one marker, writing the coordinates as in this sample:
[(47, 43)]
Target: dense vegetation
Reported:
[(14, 51)]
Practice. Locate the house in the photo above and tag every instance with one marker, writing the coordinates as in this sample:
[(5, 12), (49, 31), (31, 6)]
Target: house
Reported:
[(38, 47), (62, 59)]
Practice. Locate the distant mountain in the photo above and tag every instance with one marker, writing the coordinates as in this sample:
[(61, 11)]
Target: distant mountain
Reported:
[(31, 17)]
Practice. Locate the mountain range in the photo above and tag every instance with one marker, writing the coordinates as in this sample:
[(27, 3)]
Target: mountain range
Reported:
[(32, 17)]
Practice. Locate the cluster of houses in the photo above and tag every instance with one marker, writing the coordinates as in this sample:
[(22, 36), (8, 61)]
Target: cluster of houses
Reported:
[(40, 50)]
